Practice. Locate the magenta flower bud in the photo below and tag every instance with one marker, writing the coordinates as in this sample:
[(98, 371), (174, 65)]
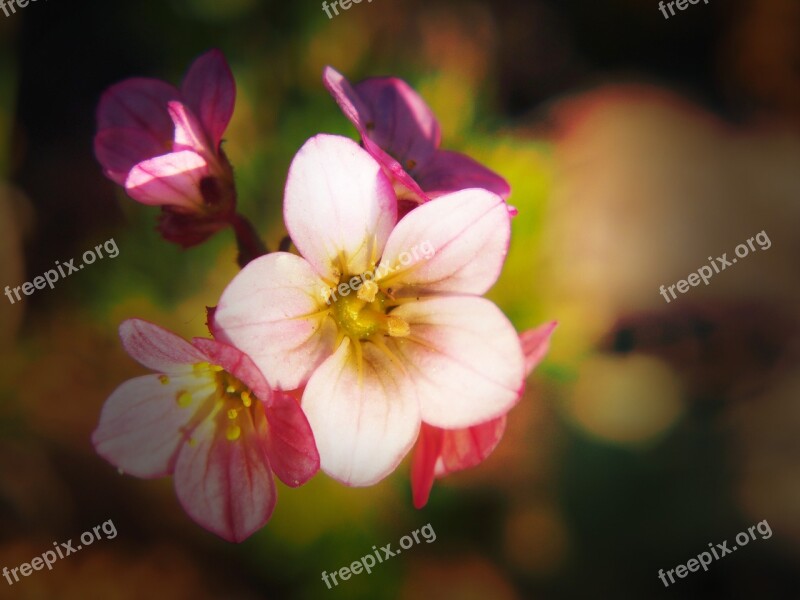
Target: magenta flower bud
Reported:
[(163, 145), (401, 132)]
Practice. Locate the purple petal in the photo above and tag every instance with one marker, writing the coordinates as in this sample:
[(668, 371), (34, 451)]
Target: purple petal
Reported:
[(451, 171), (210, 91), (119, 149), (138, 103)]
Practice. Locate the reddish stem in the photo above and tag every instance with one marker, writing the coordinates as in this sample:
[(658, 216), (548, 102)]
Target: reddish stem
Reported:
[(247, 240)]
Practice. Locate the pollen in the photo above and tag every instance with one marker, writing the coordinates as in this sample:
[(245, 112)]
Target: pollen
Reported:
[(183, 398), (247, 399), (397, 327), (231, 389), (367, 291), (233, 433), (232, 413)]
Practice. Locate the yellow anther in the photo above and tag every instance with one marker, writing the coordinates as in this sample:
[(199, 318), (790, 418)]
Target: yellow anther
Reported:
[(397, 327), (216, 368), (232, 413), (184, 399), (231, 389), (367, 291), (247, 400), (233, 433), (163, 379)]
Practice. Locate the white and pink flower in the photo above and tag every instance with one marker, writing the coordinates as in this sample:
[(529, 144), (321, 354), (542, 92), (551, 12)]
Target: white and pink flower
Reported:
[(208, 417), (440, 452), (416, 344)]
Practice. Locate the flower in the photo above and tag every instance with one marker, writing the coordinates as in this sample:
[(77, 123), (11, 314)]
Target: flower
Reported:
[(440, 452), (210, 418), (401, 132), (416, 343), (163, 145)]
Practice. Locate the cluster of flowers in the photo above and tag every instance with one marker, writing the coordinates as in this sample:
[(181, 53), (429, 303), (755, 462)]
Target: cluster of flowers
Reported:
[(289, 382)]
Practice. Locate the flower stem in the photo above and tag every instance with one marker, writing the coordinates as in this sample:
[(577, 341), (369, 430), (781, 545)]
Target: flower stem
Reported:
[(247, 240)]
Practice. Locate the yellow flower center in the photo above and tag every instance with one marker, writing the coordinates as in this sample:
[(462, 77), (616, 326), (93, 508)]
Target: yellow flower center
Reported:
[(229, 395), (364, 312)]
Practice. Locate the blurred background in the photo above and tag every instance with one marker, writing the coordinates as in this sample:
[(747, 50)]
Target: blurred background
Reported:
[(636, 148)]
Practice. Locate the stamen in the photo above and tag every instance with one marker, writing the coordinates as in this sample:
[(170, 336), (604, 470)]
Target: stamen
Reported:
[(397, 327), (367, 291), (231, 389), (232, 413), (233, 433), (183, 398), (247, 400), (163, 379)]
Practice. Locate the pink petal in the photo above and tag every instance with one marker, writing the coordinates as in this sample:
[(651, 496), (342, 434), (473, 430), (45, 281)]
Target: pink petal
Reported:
[(347, 98), (140, 426), (210, 91), (463, 357), (189, 133), (238, 364), (426, 454), (364, 415), (225, 486), (339, 207), (404, 185), (156, 348), (451, 171), (401, 123), (274, 310), (118, 150), (465, 448), (290, 445), (169, 180), (138, 103), (535, 344), (466, 236)]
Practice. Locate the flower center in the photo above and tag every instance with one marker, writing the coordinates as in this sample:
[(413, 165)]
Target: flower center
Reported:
[(228, 396), (365, 314), (237, 401)]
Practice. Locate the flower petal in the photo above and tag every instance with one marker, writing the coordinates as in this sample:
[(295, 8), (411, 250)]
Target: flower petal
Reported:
[(399, 120), (364, 415), (465, 448), (464, 359), (172, 180), (141, 424), (156, 348), (463, 238), (535, 344), (290, 445), (189, 133), (138, 103), (423, 464), (225, 486), (451, 171), (237, 363), (273, 310), (119, 149), (339, 206), (210, 91)]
